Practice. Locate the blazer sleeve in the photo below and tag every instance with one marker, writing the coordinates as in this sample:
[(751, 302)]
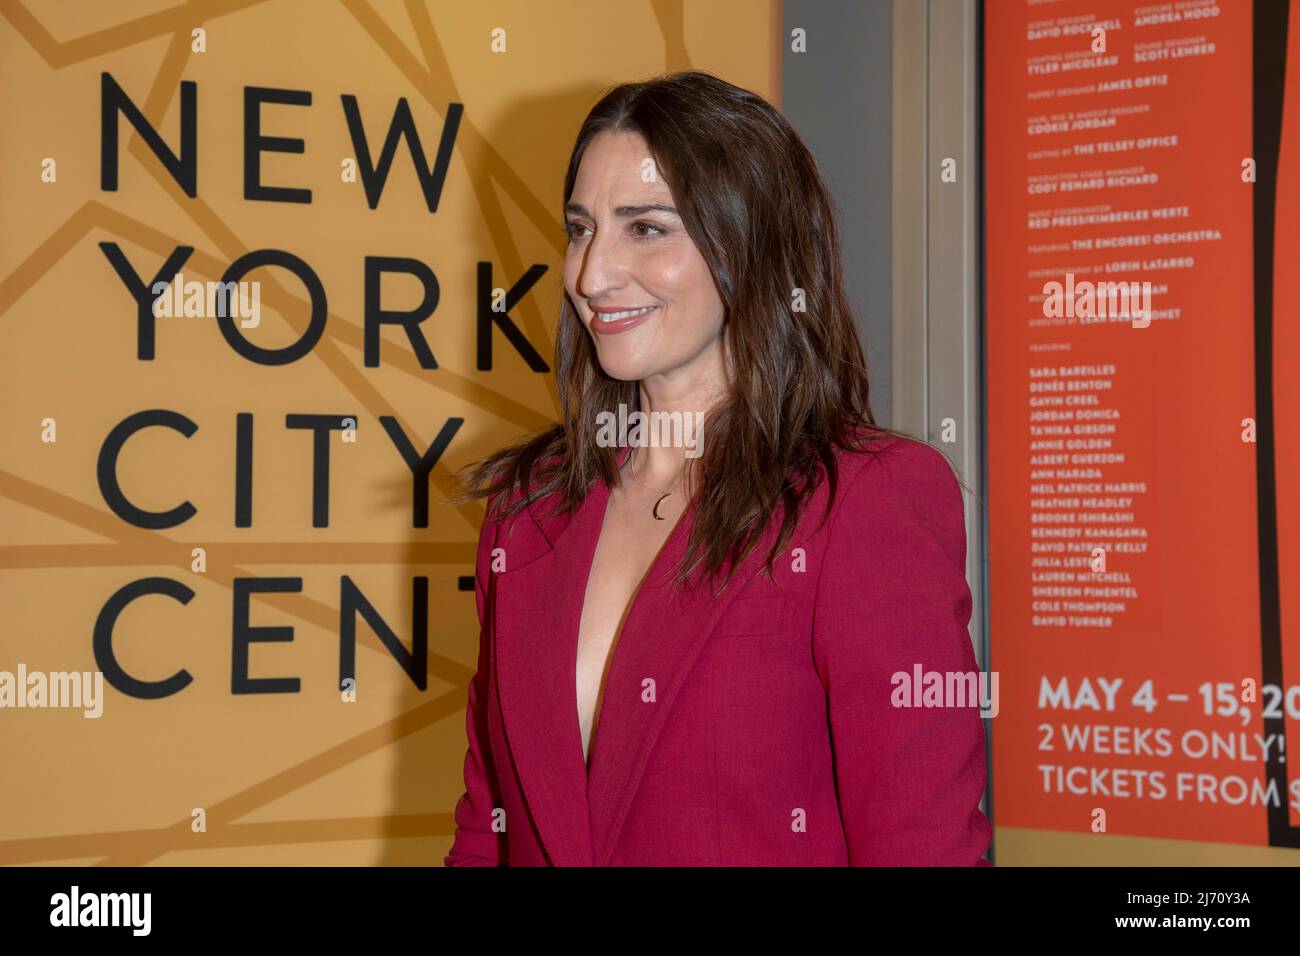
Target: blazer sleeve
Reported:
[(893, 594), (475, 844)]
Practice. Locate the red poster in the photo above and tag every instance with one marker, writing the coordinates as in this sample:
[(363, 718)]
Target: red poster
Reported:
[(1144, 614)]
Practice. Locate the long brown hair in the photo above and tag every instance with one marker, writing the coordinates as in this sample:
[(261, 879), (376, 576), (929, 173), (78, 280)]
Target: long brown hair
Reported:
[(751, 198)]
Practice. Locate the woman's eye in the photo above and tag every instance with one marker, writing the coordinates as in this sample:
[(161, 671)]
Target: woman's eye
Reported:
[(658, 231), (572, 228)]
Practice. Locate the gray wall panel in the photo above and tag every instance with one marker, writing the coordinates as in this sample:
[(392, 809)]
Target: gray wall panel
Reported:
[(838, 96)]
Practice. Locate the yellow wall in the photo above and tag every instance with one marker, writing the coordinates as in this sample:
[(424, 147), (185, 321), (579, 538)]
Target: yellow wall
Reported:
[(283, 778)]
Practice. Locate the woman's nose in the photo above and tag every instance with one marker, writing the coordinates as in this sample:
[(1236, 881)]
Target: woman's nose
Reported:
[(602, 267)]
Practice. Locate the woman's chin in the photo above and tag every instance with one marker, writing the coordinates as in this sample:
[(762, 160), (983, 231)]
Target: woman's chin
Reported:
[(627, 368)]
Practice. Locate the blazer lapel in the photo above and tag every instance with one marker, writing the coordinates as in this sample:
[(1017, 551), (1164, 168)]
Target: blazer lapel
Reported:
[(663, 636), (538, 610), (538, 607)]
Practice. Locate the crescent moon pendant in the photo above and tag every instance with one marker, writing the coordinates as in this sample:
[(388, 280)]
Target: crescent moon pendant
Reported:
[(655, 510)]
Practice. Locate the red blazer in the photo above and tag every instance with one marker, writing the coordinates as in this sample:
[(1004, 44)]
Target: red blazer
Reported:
[(755, 728)]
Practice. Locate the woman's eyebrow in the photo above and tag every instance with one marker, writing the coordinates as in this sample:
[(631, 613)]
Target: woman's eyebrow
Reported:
[(627, 212), (623, 212)]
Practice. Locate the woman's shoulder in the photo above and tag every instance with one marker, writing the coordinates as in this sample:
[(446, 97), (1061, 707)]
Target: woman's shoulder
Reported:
[(512, 512), (885, 467), (896, 489), (891, 451)]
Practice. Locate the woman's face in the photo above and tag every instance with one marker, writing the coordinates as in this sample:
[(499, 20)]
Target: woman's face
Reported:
[(629, 252)]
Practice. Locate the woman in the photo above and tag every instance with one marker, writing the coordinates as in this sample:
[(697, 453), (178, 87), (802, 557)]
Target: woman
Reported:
[(688, 645)]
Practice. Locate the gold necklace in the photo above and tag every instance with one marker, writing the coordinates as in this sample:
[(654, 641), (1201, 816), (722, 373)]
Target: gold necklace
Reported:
[(662, 494)]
